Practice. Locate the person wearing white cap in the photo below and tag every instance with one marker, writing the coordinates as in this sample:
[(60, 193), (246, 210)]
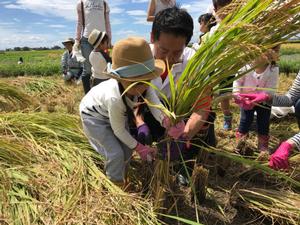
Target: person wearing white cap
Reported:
[(107, 109), (98, 57), (71, 67), (91, 14)]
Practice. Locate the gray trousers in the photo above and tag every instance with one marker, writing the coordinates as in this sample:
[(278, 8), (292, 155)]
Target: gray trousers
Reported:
[(101, 136)]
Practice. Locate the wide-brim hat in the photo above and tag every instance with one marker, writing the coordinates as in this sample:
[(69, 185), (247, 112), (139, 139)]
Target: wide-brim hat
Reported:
[(96, 37), (68, 40), (132, 60)]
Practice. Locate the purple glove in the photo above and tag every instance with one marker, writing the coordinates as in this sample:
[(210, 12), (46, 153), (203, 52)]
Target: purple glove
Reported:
[(279, 159), (146, 153), (143, 130), (173, 131), (176, 149)]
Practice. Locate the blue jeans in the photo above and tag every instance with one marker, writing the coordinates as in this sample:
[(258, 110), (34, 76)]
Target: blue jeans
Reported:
[(86, 50), (263, 119)]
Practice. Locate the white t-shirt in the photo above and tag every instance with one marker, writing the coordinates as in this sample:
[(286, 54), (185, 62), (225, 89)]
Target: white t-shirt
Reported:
[(99, 64), (104, 100), (252, 81), (176, 71), (159, 5), (94, 17)]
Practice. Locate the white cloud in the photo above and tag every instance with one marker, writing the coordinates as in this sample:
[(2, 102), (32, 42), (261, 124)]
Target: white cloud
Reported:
[(197, 7), (116, 10), (57, 26), (5, 2), (61, 8), (15, 38), (7, 23), (16, 19), (139, 1), (116, 21), (141, 21), (137, 13)]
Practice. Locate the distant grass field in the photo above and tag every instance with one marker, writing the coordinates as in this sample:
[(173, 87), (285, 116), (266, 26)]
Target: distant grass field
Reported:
[(46, 63), (290, 58), (43, 63)]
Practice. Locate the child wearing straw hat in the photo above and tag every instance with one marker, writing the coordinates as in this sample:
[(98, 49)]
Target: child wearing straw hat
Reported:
[(106, 109), (98, 57)]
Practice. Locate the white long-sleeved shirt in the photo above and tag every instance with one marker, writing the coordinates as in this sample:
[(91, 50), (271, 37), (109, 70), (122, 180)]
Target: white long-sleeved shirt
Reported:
[(95, 17), (99, 64), (104, 100), (177, 69), (253, 82)]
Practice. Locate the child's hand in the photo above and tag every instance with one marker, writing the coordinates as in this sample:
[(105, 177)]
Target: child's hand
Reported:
[(174, 131), (146, 153)]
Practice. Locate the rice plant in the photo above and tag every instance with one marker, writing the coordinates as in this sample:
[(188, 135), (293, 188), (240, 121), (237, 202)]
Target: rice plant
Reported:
[(277, 206), (50, 175), (11, 98)]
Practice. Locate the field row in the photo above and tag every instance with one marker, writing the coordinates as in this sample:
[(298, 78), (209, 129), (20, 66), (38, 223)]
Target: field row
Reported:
[(47, 63)]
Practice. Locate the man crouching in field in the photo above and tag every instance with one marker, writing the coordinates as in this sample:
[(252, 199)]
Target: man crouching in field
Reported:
[(71, 68), (172, 30)]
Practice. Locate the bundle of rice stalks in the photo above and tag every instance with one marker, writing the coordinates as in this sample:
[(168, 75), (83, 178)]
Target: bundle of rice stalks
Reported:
[(250, 28), (282, 207), (49, 175), (11, 98)]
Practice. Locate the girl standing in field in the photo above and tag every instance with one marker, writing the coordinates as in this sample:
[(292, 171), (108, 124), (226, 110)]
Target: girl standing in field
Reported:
[(157, 5), (263, 79), (98, 57), (106, 110), (279, 159)]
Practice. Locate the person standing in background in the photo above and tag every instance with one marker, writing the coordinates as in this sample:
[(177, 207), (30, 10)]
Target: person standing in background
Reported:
[(71, 68), (157, 5), (91, 14)]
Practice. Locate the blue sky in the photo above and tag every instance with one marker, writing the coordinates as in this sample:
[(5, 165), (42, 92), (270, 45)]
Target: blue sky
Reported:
[(36, 23)]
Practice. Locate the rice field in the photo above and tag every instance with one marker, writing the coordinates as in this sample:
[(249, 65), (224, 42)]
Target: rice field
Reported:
[(47, 62), (43, 63), (50, 174), (54, 177)]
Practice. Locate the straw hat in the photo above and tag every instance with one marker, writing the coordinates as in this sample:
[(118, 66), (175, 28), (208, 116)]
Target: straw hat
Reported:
[(68, 40), (132, 60), (96, 37)]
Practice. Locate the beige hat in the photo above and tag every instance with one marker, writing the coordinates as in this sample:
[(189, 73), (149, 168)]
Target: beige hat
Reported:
[(69, 40), (96, 37), (133, 60)]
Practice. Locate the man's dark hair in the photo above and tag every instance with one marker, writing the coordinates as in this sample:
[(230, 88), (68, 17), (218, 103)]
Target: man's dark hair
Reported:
[(220, 3), (208, 19), (174, 21)]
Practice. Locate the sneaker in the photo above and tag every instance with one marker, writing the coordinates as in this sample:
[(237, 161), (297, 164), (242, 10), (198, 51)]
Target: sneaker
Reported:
[(227, 122)]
